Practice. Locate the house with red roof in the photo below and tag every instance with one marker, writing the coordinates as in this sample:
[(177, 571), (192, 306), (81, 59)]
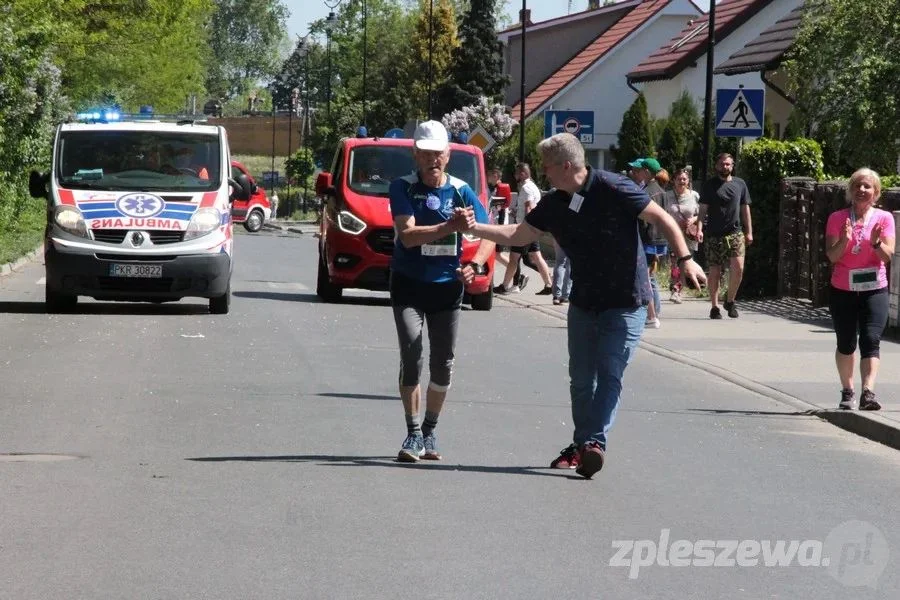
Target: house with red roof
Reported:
[(680, 64), (578, 62)]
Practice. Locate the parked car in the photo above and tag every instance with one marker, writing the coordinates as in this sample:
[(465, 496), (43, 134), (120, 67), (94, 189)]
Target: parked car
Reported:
[(256, 210), (357, 228)]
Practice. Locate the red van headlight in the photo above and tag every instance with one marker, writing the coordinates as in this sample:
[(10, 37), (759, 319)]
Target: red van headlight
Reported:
[(350, 223)]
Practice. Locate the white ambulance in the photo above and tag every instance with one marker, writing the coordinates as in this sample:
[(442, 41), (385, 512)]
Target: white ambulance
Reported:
[(139, 209)]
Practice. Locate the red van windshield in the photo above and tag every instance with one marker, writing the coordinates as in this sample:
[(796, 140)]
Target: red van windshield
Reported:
[(372, 168)]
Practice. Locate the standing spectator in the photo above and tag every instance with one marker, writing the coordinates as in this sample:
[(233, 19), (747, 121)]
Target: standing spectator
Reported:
[(725, 200), (594, 216), (859, 242), (562, 275), (644, 172), (683, 203), (529, 196), (427, 278)]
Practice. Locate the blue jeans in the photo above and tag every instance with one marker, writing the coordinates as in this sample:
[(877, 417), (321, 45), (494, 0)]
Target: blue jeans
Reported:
[(562, 273), (601, 345)]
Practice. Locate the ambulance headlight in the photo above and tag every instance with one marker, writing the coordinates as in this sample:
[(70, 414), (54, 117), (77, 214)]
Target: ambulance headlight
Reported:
[(350, 223), (204, 221), (71, 220)]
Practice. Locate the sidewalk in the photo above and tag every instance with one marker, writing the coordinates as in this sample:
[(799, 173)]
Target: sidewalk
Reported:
[(782, 349)]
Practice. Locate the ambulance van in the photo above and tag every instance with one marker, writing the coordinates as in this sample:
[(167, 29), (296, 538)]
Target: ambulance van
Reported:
[(138, 209)]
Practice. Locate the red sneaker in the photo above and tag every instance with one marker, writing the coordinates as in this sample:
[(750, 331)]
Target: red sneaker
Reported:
[(567, 459), (592, 457)]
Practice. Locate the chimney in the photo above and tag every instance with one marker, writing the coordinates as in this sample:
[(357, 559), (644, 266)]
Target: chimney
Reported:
[(525, 16)]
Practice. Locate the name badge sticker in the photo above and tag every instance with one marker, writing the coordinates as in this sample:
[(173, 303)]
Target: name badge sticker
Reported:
[(576, 202)]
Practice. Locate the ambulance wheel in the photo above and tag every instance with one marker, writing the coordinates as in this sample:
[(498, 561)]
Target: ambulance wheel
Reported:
[(254, 221), (220, 304), (57, 302), (324, 288), (483, 301)]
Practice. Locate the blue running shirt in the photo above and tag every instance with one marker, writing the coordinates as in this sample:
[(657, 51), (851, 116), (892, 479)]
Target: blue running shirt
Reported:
[(437, 261)]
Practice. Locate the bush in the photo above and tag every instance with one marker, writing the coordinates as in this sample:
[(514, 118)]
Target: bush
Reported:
[(764, 163)]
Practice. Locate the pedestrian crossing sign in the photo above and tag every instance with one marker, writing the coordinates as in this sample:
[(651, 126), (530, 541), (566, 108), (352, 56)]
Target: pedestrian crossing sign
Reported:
[(740, 112)]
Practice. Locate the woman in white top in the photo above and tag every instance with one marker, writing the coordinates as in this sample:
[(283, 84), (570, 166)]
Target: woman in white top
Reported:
[(683, 203)]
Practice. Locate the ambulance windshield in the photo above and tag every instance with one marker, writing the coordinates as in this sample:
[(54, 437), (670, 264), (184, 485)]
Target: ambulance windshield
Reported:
[(139, 160)]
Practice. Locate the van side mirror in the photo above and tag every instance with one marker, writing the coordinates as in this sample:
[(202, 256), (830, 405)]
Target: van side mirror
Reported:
[(502, 196), (240, 187), (37, 184), (323, 183)]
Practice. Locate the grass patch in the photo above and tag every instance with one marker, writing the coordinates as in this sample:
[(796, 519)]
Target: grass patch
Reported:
[(24, 233)]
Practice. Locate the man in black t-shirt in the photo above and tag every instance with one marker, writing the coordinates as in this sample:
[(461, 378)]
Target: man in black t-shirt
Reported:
[(593, 215), (725, 207)]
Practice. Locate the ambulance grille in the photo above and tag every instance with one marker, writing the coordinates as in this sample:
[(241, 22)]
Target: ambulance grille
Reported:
[(117, 236)]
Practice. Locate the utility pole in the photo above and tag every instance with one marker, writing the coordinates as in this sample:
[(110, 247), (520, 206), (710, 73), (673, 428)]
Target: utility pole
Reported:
[(522, 90), (707, 106)]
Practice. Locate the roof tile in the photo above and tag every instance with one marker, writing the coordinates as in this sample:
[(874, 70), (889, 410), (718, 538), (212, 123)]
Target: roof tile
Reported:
[(593, 52)]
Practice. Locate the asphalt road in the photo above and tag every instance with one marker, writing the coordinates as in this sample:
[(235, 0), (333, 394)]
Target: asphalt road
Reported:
[(162, 452)]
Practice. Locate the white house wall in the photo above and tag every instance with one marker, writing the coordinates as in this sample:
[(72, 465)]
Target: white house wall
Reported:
[(661, 94), (604, 88)]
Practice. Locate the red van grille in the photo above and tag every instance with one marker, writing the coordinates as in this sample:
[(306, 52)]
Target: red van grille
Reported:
[(381, 241)]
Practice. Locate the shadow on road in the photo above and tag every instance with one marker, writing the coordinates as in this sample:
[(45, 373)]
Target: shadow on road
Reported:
[(358, 396), (108, 308), (389, 461), (311, 298)]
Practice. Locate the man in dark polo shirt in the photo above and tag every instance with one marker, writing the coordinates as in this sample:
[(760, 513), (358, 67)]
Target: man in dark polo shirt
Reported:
[(725, 202), (593, 215)]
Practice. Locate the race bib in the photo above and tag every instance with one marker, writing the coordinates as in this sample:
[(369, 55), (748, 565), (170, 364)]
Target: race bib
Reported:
[(446, 246), (864, 280)]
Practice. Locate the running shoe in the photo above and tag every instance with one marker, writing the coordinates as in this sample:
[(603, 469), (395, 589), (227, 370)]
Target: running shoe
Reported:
[(431, 451), (868, 402), (412, 449)]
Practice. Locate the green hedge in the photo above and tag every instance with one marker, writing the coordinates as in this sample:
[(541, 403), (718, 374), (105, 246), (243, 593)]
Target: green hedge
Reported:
[(763, 164)]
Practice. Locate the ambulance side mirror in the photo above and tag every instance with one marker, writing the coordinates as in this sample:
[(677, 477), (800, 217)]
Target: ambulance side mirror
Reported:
[(37, 184)]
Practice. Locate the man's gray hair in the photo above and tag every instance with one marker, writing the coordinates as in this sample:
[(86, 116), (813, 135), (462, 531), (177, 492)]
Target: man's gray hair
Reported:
[(561, 148)]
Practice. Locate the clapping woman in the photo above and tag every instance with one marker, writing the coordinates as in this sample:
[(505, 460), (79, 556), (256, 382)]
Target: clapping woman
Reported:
[(859, 242)]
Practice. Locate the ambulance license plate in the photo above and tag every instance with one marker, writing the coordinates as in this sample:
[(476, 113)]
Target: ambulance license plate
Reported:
[(149, 271)]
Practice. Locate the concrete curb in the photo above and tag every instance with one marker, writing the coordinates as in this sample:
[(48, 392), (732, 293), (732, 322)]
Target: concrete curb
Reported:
[(869, 425), (11, 267)]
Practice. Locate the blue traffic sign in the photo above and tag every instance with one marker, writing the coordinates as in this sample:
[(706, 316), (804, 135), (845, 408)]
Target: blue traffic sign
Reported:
[(396, 132), (579, 123), (740, 112)]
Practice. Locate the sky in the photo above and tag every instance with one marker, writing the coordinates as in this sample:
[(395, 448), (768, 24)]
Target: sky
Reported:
[(304, 12)]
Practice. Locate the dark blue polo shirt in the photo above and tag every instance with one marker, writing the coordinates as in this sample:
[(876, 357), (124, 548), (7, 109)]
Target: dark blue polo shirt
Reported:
[(600, 237)]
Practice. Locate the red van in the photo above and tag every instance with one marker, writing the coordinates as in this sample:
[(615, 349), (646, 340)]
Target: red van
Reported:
[(254, 211), (357, 229)]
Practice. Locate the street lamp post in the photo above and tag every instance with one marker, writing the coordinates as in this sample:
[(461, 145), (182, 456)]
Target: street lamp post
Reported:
[(306, 124), (522, 91), (330, 22), (430, 52), (364, 53)]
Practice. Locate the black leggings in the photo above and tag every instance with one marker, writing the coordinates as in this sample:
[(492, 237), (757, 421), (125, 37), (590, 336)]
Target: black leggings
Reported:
[(437, 305), (859, 314)]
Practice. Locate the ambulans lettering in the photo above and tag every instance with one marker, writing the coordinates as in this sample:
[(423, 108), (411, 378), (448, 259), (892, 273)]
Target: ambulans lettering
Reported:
[(129, 223)]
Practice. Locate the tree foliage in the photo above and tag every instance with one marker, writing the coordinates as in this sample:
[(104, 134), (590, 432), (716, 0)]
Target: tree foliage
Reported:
[(133, 52), (635, 139), (244, 38), (477, 64), (845, 71)]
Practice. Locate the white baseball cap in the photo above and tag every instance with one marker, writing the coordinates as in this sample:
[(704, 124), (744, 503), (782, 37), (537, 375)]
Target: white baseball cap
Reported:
[(431, 135)]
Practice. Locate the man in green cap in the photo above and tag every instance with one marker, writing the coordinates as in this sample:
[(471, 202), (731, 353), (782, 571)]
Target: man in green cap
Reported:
[(643, 172)]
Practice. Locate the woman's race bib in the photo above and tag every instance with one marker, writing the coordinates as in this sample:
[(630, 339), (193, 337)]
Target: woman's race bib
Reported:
[(864, 280)]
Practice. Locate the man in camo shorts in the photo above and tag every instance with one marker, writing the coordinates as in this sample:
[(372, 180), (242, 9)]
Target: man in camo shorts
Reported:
[(725, 208)]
